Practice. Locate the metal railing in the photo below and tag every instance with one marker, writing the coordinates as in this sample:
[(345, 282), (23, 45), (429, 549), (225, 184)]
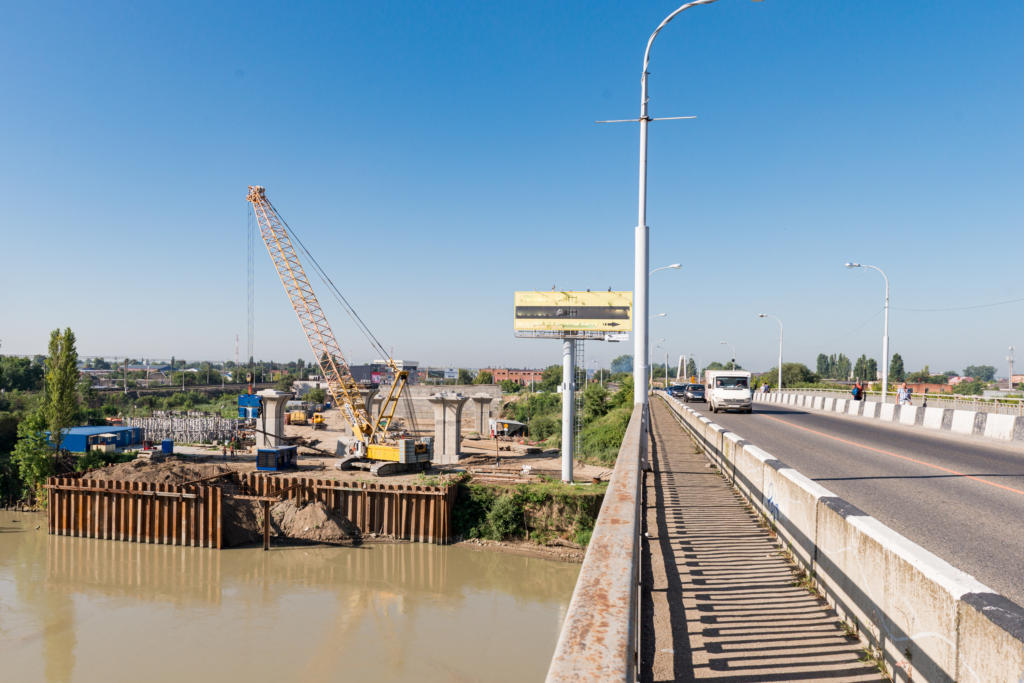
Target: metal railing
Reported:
[(599, 640), (1004, 406)]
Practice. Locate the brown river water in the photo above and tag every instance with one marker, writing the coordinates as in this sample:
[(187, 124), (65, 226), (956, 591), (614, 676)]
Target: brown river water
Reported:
[(76, 609)]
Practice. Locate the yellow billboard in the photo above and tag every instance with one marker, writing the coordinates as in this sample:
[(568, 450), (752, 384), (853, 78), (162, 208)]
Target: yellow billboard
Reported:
[(574, 312)]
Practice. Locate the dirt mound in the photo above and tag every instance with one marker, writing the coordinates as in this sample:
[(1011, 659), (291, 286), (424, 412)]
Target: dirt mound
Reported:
[(312, 522), (170, 471)]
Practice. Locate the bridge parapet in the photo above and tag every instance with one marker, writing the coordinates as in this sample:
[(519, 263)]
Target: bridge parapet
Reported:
[(598, 641), (936, 416), (926, 618)]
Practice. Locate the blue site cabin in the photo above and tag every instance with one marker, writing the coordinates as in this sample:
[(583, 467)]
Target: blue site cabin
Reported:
[(80, 439)]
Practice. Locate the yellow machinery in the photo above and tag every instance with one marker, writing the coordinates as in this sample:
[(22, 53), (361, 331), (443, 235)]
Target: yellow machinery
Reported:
[(318, 421), (297, 417), (370, 446)]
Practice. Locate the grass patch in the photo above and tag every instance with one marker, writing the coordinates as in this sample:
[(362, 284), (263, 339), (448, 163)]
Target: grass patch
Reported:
[(542, 513)]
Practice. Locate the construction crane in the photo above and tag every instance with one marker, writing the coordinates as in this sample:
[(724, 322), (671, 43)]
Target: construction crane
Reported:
[(371, 446)]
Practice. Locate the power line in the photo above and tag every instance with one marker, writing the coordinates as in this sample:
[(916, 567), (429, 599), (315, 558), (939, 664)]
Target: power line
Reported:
[(960, 308)]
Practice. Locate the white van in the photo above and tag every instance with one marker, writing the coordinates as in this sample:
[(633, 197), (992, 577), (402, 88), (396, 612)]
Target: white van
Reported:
[(728, 390)]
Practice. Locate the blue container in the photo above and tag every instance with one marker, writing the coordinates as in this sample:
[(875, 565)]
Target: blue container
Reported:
[(167, 446)]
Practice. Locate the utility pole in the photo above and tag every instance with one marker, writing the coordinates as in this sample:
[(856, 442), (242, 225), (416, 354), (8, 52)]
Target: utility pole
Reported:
[(126, 374), (1009, 358)]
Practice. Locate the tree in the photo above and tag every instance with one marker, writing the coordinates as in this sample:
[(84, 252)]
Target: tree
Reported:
[(986, 373), (823, 365), (32, 454), (20, 374), (691, 368), (61, 405), (896, 371), (866, 368), (484, 377), (550, 378), (316, 395), (794, 373), (509, 387), (623, 363), (595, 402), (465, 376)]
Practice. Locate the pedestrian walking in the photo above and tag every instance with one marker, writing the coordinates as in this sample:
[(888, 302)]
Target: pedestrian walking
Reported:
[(903, 395), (858, 391)]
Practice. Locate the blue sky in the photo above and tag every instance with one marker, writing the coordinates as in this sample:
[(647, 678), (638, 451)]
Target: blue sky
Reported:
[(437, 157)]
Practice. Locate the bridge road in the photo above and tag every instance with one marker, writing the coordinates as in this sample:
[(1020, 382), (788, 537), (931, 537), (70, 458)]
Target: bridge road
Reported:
[(961, 498), (722, 602)]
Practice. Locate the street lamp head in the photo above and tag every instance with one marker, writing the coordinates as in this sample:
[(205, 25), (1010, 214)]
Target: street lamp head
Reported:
[(762, 315), (850, 264), (675, 266)]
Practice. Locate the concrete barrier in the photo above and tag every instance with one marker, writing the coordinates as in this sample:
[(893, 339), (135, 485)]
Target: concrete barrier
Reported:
[(963, 422), (929, 620), (997, 426), (598, 640), (1000, 426), (908, 414)]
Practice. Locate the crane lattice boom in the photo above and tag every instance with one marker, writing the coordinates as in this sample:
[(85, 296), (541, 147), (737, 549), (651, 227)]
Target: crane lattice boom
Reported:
[(333, 365)]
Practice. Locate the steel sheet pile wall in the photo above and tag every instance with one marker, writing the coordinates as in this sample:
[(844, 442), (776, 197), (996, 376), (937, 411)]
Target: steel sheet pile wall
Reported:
[(135, 511), (188, 428), (407, 512)]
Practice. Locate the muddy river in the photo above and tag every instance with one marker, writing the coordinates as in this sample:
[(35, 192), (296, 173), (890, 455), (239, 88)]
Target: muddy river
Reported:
[(89, 610)]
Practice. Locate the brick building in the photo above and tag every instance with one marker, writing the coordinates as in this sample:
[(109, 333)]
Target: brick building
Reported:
[(522, 377)]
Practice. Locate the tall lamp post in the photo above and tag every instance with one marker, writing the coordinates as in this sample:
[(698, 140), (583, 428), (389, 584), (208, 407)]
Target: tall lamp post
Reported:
[(768, 315), (649, 377), (732, 364), (641, 235), (885, 333)]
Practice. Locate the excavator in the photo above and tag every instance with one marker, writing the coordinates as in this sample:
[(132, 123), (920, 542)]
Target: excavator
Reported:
[(373, 445)]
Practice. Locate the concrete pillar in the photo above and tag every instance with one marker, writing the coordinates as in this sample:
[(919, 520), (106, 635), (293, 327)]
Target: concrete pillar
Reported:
[(272, 420), (482, 411), (368, 397), (447, 426), (374, 407)]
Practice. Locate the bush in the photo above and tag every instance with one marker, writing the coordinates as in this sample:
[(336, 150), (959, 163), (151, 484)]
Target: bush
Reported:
[(505, 519), (601, 439)]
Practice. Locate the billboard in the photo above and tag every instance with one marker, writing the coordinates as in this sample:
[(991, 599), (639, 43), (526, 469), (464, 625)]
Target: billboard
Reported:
[(574, 311)]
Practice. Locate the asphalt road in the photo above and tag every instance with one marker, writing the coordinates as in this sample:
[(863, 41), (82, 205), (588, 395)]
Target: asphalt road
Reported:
[(960, 498)]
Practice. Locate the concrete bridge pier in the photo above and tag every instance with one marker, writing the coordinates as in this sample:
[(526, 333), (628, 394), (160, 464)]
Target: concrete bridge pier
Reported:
[(447, 426), (482, 412), (272, 421)]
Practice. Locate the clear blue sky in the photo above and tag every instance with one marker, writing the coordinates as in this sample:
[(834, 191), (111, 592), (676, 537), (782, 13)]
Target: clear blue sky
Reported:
[(439, 156)]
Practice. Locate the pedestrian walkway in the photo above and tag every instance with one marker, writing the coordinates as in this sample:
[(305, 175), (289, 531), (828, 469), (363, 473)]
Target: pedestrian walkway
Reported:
[(722, 602)]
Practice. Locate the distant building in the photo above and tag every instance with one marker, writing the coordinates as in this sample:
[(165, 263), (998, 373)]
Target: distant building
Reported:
[(84, 439), (378, 372), (957, 379), (522, 377), (920, 388)]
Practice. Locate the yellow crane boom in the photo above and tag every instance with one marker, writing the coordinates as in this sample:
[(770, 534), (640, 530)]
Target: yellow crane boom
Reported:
[(340, 383)]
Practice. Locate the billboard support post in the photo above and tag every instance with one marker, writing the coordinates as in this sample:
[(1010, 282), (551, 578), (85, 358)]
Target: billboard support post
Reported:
[(572, 317), (568, 407)]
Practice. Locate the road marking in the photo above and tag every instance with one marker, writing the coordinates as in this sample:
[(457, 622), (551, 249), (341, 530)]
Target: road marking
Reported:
[(897, 455)]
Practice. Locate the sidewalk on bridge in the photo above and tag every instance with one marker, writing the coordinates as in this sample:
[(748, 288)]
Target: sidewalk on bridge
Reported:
[(723, 602)]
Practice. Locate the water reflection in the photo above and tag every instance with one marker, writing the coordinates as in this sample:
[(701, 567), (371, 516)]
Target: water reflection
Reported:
[(85, 609)]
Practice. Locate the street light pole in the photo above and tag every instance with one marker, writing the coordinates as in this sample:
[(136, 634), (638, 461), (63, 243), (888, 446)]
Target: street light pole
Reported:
[(766, 315), (885, 333), (641, 235), (732, 363), (650, 371)]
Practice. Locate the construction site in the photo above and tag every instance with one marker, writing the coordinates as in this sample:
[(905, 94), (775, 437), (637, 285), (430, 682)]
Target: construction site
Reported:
[(374, 461)]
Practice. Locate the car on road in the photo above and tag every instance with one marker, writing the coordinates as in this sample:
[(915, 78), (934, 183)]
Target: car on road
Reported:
[(677, 390), (693, 392)]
